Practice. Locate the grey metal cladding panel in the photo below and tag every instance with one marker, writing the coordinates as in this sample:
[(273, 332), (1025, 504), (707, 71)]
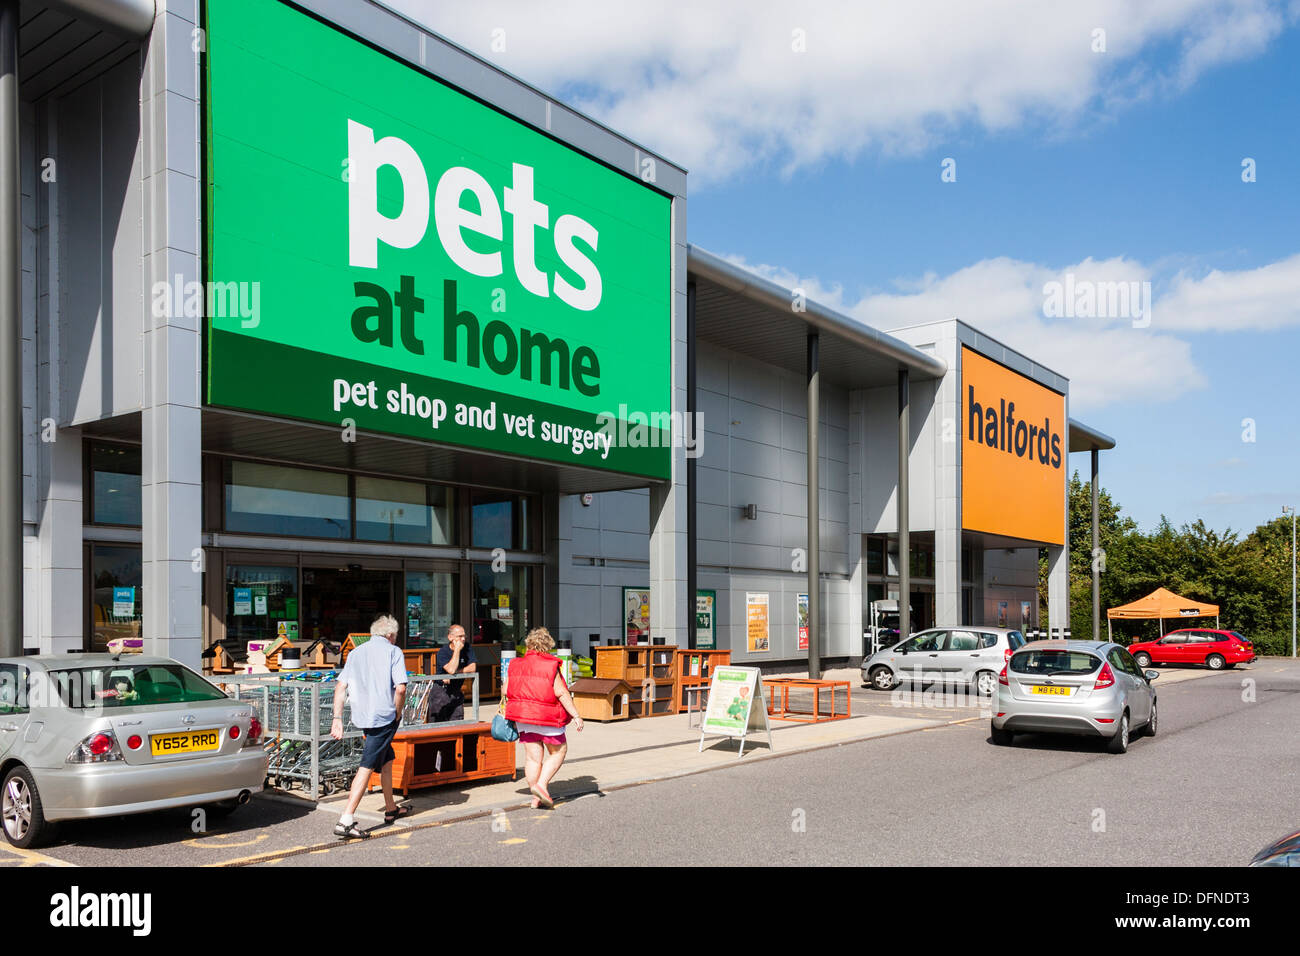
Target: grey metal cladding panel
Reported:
[(794, 433), (625, 545), (758, 423), (715, 521), (752, 382), (625, 511), (81, 254), (712, 368), (460, 68), (586, 542), (123, 199), (713, 553), (747, 555), (794, 499), (713, 407), (752, 489), (713, 485), (794, 467), (764, 530)]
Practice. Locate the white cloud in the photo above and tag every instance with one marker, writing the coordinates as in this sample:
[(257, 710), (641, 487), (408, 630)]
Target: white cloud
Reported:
[(1262, 299), (1108, 360), (719, 88)]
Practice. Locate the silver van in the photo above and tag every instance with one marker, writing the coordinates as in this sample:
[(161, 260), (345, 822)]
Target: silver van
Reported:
[(945, 655)]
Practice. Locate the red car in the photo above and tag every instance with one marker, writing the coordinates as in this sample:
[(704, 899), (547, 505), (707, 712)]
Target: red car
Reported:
[(1215, 649)]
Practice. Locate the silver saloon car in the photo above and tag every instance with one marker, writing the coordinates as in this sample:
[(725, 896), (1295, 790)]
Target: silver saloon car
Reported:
[(96, 735), (1092, 688), (969, 656)]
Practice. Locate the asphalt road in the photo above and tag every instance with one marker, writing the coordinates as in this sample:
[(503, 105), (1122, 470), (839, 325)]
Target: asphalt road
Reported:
[(1214, 787)]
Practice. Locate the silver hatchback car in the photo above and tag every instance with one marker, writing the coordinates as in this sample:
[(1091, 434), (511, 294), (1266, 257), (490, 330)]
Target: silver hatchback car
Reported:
[(1093, 688), (970, 656), (95, 735)]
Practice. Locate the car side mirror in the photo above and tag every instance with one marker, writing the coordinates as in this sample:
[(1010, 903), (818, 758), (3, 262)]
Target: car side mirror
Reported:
[(1150, 675), (903, 649)]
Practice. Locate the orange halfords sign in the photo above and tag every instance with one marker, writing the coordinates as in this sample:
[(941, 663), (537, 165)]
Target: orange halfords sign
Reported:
[(1013, 453)]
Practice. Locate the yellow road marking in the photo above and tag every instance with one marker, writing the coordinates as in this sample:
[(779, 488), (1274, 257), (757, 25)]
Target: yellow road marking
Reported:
[(512, 841), (32, 858), (211, 841), (255, 856)]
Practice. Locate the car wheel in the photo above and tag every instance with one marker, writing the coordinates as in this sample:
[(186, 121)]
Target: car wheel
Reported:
[(1003, 738), (1143, 659), (986, 682), (882, 678), (1215, 662), (1119, 743), (1151, 727), (24, 817)]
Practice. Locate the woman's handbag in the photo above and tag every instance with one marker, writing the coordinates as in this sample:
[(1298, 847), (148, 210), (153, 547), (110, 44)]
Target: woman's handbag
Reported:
[(502, 729)]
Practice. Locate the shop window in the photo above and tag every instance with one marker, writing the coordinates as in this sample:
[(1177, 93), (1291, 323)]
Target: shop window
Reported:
[(404, 512), (431, 601), (261, 602), (271, 499), (115, 485), (501, 521), (501, 603), (875, 555), (922, 562), (116, 594)]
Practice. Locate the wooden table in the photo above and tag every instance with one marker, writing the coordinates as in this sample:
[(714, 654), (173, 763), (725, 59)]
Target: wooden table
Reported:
[(783, 685)]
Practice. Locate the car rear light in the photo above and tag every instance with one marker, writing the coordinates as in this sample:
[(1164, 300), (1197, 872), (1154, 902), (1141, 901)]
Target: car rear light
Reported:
[(254, 737), (134, 741), (1002, 677), (1105, 679), (99, 747), (1006, 655), (1105, 720), (234, 732), (1002, 713)]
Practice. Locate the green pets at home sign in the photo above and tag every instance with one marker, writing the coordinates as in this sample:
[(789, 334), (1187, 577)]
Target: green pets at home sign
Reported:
[(421, 264)]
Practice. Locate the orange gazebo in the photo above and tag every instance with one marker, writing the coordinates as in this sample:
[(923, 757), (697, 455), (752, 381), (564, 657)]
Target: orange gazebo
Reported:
[(1161, 603)]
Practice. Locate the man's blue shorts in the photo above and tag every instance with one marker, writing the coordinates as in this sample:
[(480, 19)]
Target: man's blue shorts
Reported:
[(378, 749)]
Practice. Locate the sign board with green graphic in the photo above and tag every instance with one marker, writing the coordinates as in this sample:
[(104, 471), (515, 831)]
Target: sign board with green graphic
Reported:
[(736, 705), (385, 250)]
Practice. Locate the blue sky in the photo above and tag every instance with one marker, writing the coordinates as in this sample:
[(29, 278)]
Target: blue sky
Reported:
[(822, 168)]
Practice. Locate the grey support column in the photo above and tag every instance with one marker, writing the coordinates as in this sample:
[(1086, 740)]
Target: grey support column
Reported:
[(11, 334), (171, 416), (692, 439), (814, 508), (669, 610), (1096, 544), (904, 515)]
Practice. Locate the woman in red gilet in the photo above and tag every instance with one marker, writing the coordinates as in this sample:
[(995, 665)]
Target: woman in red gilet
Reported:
[(538, 701)]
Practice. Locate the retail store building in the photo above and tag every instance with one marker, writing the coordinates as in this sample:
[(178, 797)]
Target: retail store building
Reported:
[(323, 316)]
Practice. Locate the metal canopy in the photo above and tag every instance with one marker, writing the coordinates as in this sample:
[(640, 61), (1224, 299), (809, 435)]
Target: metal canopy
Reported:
[(304, 444), (1083, 438), (747, 314), (58, 51)]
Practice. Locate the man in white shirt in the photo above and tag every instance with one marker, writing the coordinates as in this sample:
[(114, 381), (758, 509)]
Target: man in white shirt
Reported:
[(374, 679)]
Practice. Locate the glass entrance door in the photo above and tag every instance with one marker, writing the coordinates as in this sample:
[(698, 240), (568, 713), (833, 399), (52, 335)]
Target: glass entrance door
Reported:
[(431, 602)]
